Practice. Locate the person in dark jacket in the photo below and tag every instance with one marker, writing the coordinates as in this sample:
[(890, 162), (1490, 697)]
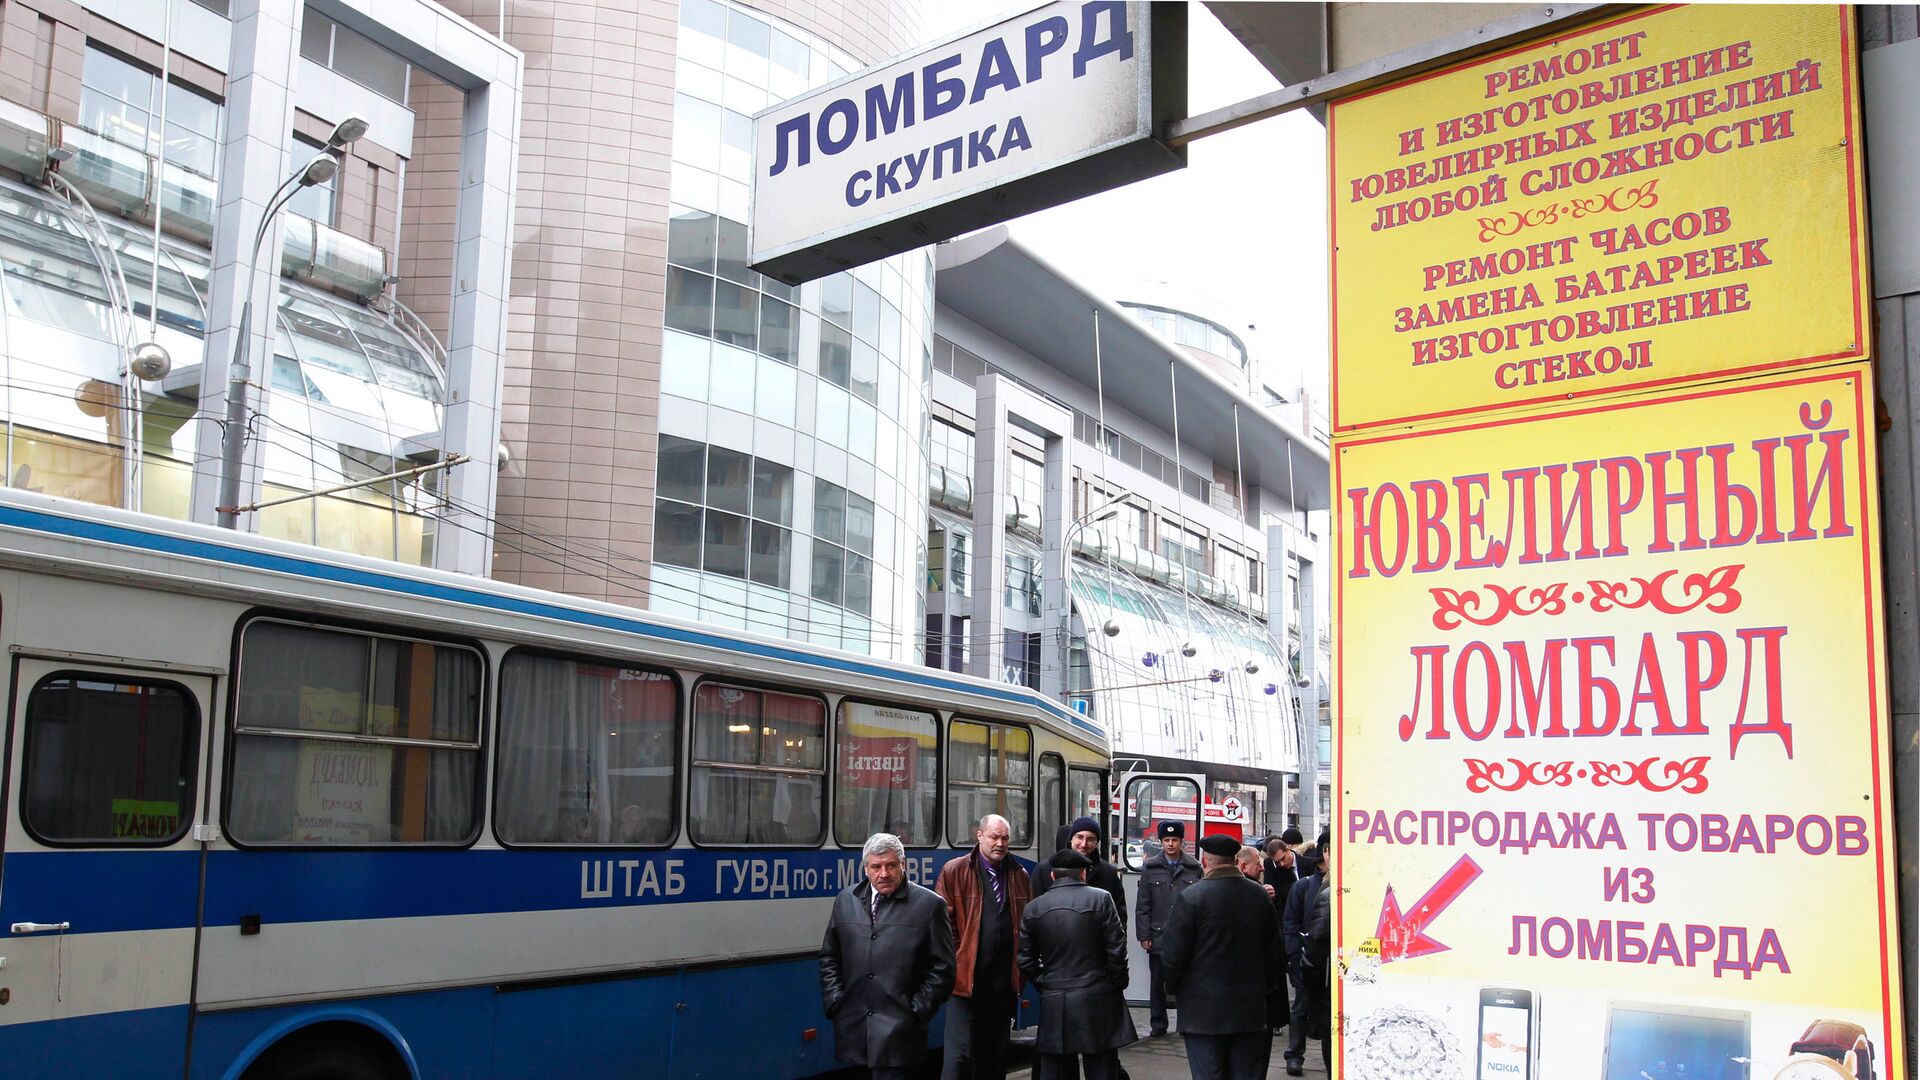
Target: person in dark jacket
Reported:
[(1074, 949), (1162, 878), (1320, 967), (985, 890), (1295, 922), (1084, 837), (1251, 865), (1282, 865), (886, 965), (1221, 954)]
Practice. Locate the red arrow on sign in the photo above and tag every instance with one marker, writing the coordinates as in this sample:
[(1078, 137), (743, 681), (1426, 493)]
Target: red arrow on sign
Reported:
[(1403, 936)]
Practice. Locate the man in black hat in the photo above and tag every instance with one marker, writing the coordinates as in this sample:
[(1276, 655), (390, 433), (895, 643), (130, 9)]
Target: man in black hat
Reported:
[(1221, 954), (1074, 948), (1162, 878), (1084, 836)]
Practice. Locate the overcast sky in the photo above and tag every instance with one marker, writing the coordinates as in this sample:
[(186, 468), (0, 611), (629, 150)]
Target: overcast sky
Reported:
[(1245, 223)]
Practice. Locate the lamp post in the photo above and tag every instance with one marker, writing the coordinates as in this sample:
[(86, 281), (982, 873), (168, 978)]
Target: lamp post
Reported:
[(1106, 511), (321, 169)]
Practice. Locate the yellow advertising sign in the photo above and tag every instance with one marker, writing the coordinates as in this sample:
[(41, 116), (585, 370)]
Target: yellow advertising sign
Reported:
[(1661, 198), (1612, 790)]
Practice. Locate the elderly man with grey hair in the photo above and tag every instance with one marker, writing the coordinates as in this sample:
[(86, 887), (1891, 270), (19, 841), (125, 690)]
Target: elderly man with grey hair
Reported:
[(987, 891), (886, 965)]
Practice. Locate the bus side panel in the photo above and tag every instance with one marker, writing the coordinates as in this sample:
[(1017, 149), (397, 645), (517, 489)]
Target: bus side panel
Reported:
[(752, 1021), (448, 1033), (615, 1027), (134, 1044)]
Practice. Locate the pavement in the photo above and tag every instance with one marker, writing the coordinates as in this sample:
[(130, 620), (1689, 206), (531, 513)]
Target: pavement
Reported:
[(1165, 1058)]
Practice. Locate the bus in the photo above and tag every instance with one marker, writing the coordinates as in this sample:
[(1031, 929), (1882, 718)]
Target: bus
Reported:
[(277, 812)]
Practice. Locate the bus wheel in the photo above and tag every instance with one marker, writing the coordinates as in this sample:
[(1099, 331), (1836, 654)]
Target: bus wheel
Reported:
[(330, 1052)]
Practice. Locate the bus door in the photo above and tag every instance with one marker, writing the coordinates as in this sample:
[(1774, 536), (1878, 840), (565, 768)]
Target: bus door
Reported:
[(1144, 801), (99, 874)]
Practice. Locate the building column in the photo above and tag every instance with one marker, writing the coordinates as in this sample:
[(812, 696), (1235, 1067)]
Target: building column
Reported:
[(254, 161), (1000, 404), (1056, 608), (1283, 541), (477, 326)]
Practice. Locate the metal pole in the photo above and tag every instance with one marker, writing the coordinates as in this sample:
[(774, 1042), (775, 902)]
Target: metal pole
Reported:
[(160, 177), (232, 439)]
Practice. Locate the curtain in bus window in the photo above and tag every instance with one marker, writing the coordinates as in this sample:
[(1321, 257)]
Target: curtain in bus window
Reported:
[(991, 773), (759, 767), (887, 774), (371, 773), (586, 753)]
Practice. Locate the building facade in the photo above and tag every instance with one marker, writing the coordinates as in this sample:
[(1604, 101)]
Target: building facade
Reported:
[(1114, 519), (143, 145), (683, 434)]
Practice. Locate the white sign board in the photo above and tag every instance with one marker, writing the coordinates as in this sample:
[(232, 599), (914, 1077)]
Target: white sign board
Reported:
[(1061, 102)]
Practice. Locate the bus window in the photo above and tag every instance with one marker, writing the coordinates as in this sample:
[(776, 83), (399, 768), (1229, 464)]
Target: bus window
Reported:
[(989, 771), (108, 760), (1051, 809), (351, 738), (587, 753), (759, 767), (1087, 795), (888, 775)]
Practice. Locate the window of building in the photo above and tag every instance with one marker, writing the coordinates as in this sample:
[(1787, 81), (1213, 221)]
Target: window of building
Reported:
[(1026, 484), (1184, 546), (343, 737), (354, 55), (587, 752), (759, 773), (1232, 567), (936, 559), (989, 771), (950, 447), (120, 100), (724, 512), (1023, 584), (109, 760), (843, 530), (887, 777)]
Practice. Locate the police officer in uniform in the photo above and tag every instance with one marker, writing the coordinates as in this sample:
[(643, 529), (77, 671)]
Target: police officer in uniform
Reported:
[(1162, 877)]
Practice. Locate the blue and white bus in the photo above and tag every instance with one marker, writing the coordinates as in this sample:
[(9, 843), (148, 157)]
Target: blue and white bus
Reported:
[(273, 812)]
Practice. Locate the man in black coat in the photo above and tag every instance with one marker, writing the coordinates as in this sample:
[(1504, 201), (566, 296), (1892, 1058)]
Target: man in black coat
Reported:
[(886, 965), (1162, 877), (1074, 949), (1295, 922), (1221, 954), (1084, 837)]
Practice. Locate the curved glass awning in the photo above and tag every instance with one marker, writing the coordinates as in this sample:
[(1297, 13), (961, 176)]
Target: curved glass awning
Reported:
[(352, 391), (1155, 700)]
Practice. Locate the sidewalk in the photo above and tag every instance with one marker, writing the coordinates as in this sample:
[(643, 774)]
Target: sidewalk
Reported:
[(1165, 1058)]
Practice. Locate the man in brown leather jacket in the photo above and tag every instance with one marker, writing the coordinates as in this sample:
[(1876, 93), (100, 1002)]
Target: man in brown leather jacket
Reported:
[(986, 891)]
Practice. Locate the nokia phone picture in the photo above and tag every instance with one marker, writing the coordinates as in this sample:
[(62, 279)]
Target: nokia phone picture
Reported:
[(1507, 1048)]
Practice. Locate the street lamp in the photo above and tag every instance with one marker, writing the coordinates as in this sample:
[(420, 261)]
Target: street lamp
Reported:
[(321, 169)]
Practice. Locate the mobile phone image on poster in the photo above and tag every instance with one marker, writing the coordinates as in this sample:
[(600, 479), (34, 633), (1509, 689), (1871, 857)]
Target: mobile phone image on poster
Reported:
[(1508, 1035)]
